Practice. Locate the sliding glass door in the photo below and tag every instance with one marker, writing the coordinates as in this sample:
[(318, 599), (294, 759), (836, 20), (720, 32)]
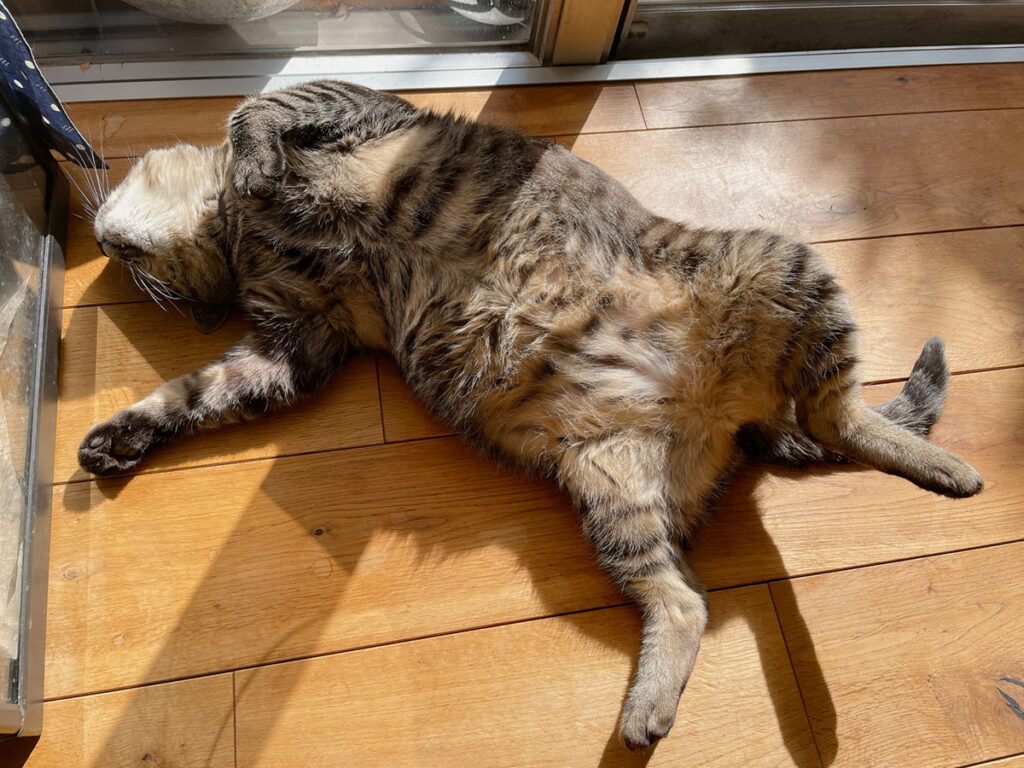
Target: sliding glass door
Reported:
[(86, 32), (660, 28)]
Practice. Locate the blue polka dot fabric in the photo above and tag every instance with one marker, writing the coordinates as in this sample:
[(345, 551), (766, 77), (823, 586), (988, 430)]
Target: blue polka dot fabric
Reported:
[(28, 93)]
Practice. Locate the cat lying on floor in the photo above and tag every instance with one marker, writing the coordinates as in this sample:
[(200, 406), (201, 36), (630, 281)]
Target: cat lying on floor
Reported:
[(533, 304)]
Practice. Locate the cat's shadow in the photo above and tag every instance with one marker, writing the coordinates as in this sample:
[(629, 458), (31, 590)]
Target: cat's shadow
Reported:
[(806, 750)]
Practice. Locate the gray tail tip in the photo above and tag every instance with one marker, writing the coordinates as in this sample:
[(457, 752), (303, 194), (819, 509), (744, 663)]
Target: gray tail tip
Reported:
[(934, 345), (932, 360)]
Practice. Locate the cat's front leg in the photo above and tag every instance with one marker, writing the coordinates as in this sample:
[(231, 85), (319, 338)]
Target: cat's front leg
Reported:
[(250, 380), (254, 133), (317, 114)]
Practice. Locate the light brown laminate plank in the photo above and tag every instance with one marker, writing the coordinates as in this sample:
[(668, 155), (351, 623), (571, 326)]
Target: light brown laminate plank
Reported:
[(962, 286), (404, 416), (542, 110), (544, 693), (183, 573), (188, 724), (131, 127), (113, 356), (914, 656), (827, 179), (835, 93)]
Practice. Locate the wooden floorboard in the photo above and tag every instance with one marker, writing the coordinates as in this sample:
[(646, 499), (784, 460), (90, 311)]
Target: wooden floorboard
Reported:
[(187, 724), (131, 127), (827, 179), (836, 93), (404, 417), (962, 286), (544, 693), (199, 565), (184, 573), (912, 657)]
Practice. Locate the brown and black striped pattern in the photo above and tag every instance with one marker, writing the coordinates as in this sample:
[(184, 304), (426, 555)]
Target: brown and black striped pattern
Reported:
[(532, 303)]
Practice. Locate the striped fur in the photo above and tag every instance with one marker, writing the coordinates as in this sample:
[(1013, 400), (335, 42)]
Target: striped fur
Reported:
[(532, 303)]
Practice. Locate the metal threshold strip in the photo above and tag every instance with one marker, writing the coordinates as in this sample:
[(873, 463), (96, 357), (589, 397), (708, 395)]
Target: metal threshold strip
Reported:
[(233, 77)]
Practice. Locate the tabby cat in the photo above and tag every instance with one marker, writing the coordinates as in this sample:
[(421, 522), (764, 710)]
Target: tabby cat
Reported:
[(533, 304)]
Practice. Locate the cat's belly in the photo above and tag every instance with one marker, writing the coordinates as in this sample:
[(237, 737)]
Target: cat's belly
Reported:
[(565, 361), (631, 371)]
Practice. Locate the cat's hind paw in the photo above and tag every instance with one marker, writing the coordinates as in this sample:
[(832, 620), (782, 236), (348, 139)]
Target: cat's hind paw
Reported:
[(954, 478), (647, 717)]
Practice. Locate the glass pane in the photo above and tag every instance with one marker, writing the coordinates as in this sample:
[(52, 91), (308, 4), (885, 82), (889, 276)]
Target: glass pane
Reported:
[(92, 31), (22, 212), (717, 27)]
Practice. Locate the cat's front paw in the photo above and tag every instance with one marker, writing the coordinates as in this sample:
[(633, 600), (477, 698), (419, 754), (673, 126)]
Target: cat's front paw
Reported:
[(118, 445), (258, 172)]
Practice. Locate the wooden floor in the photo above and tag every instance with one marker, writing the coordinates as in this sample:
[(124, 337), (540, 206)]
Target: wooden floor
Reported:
[(347, 584)]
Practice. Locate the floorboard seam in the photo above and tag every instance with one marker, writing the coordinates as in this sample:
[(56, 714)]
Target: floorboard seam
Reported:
[(992, 760), (380, 400), (640, 105), (234, 715)]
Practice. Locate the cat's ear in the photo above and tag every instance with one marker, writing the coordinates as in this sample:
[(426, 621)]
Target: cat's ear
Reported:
[(207, 318)]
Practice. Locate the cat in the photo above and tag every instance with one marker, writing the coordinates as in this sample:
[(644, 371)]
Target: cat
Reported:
[(532, 303)]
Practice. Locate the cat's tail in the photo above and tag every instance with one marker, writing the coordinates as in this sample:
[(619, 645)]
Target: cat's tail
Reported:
[(918, 405), (916, 408)]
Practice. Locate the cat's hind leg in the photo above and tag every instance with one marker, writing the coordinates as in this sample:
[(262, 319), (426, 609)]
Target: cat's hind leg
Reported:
[(619, 486), (829, 409), (916, 408)]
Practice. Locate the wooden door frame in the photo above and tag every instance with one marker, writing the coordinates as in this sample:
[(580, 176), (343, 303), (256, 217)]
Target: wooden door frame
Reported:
[(585, 30)]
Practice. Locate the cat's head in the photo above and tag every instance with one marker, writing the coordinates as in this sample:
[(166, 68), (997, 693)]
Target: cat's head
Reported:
[(163, 223)]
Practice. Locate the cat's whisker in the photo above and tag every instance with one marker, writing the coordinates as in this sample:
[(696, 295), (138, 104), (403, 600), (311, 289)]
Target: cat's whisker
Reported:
[(88, 176), (143, 286), (160, 285), (102, 177), (91, 175), (87, 205), (135, 279)]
